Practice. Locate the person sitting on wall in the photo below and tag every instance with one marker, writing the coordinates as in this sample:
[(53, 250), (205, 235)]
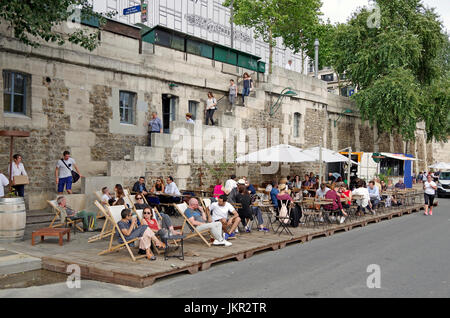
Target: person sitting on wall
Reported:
[(219, 213), (67, 212), (197, 217)]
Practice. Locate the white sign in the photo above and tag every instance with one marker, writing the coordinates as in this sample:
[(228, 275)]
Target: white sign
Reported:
[(212, 26)]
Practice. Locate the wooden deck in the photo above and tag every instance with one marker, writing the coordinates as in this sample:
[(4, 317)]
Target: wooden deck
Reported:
[(118, 268)]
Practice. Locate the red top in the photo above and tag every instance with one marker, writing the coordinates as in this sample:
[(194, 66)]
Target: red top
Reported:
[(347, 193), (218, 191), (152, 224)]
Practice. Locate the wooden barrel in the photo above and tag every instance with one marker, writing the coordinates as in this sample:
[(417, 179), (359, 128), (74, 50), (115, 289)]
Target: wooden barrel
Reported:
[(12, 219)]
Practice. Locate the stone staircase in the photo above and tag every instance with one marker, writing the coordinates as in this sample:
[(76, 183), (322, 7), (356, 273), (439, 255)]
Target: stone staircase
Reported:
[(144, 159)]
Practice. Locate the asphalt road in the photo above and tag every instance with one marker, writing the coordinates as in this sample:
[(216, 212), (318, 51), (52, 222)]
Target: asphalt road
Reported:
[(412, 252)]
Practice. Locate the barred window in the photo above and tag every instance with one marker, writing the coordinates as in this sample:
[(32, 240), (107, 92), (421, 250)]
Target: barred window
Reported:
[(127, 101), (297, 117), (193, 106)]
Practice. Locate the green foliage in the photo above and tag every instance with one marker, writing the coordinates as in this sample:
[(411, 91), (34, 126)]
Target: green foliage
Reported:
[(219, 171), (292, 20), (35, 20), (385, 177), (400, 68)]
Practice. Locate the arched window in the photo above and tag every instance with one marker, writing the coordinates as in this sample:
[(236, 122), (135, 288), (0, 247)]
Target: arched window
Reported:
[(297, 118)]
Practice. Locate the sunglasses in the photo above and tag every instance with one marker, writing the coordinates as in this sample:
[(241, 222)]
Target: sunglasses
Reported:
[(147, 213), (138, 198)]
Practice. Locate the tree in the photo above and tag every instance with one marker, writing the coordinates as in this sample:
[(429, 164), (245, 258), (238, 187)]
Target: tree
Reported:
[(397, 67), (276, 18), (34, 20)]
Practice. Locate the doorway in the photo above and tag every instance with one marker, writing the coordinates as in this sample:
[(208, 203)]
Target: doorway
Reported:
[(169, 107)]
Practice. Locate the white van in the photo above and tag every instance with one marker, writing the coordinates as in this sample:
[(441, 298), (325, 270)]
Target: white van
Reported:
[(443, 184)]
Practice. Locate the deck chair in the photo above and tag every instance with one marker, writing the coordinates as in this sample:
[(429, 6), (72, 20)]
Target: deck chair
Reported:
[(113, 215), (67, 221), (99, 195), (181, 208), (107, 228)]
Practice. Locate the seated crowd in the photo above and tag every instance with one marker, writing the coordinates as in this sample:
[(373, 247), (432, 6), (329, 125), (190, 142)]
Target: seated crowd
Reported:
[(232, 203)]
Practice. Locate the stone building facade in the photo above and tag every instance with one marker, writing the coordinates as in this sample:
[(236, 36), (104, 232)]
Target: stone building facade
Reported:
[(74, 97)]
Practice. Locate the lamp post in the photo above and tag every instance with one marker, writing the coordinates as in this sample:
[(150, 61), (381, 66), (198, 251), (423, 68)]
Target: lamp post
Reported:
[(232, 22), (316, 58)]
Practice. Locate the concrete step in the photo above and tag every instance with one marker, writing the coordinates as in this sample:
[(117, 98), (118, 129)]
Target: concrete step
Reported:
[(12, 262)]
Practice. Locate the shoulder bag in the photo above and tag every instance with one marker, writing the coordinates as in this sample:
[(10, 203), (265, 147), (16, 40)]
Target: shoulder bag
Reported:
[(75, 175)]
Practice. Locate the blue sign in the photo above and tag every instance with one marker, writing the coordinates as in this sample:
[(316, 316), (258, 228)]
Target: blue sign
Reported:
[(351, 92), (132, 10)]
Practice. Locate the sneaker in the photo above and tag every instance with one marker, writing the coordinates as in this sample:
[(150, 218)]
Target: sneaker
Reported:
[(431, 212), (321, 219), (226, 236), (237, 231), (216, 242), (342, 220), (426, 213), (232, 236), (247, 230), (227, 244)]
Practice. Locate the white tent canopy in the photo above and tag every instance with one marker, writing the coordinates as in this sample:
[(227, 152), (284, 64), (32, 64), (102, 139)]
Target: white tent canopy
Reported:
[(440, 166), (328, 155), (279, 153)]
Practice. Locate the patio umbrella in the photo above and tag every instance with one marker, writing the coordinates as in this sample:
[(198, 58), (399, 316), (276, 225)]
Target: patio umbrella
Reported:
[(278, 153), (328, 155), (440, 166)]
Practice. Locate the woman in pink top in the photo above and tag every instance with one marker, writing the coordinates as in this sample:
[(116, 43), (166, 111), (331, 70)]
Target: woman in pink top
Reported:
[(218, 190), (336, 205)]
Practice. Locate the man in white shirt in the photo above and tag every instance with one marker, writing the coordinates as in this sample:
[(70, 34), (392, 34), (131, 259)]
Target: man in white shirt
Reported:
[(106, 197), (230, 184), (362, 192), (320, 193), (63, 173), (219, 213), (171, 188), (3, 183)]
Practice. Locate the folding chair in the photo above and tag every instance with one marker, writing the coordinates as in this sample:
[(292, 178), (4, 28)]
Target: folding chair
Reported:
[(107, 228), (310, 214), (68, 221), (114, 216), (181, 208), (284, 220), (99, 195)]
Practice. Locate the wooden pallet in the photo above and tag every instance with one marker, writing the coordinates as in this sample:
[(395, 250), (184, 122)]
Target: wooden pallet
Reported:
[(117, 268)]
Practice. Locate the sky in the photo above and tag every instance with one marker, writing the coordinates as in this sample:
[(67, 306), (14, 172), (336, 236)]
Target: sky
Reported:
[(340, 10)]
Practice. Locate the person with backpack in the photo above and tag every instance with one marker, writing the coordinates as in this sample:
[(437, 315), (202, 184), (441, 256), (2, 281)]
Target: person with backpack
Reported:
[(64, 173)]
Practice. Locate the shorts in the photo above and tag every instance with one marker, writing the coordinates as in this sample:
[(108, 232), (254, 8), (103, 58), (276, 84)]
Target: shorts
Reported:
[(67, 182), (429, 198)]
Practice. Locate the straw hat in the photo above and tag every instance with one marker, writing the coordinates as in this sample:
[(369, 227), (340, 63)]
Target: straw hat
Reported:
[(282, 187)]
